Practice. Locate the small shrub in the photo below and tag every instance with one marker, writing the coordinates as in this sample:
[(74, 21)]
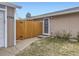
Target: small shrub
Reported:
[(66, 36), (57, 35), (63, 35), (77, 37)]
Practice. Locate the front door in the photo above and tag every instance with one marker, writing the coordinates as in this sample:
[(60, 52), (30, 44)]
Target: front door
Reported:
[(2, 29), (46, 26)]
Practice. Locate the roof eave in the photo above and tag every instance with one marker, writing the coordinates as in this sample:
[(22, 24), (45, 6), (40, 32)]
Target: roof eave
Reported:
[(10, 4), (55, 14)]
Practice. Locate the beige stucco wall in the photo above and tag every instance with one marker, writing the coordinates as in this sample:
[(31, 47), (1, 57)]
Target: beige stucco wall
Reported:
[(10, 26), (39, 19), (68, 23)]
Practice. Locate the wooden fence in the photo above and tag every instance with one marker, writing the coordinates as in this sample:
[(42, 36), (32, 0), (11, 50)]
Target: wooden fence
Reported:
[(28, 29)]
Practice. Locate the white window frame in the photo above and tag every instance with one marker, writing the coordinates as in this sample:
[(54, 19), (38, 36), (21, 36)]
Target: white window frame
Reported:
[(5, 25), (48, 27)]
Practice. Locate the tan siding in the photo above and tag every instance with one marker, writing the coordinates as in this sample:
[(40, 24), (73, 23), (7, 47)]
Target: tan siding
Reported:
[(10, 30), (10, 11), (10, 26), (69, 23)]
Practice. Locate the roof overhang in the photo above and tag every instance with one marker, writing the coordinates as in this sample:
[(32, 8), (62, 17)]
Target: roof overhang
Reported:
[(66, 11), (10, 4)]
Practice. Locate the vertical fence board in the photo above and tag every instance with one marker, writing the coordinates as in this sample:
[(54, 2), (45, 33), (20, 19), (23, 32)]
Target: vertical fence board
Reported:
[(20, 29)]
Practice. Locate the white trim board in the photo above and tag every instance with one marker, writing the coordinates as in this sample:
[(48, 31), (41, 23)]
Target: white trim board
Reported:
[(15, 29), (5, 26)]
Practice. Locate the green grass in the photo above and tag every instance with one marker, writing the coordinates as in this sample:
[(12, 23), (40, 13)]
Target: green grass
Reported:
[(51, 47)]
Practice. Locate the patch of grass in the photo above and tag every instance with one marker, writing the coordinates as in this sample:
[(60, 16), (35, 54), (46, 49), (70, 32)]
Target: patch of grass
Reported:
[(51, 47)]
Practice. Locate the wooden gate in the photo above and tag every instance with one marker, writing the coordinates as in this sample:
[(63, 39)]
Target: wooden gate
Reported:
[(28, 29)]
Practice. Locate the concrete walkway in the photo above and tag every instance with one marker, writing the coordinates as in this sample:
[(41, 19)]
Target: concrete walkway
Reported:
[(21, 44)]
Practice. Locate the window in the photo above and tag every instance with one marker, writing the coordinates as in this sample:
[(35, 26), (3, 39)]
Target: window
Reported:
[(45, 25)]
